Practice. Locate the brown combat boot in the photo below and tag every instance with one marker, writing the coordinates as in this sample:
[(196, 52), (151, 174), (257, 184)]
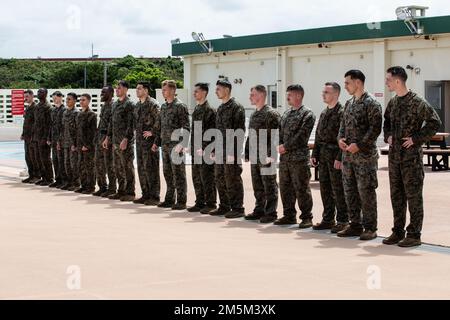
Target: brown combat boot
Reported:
[(368, 235), (284, 221), (339, 227), (350, 231), (394, 238), (324, 225), (409, 242), (99, 193)]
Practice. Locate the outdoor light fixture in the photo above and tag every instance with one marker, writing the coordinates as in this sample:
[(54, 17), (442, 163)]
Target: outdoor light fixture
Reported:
[(410, 16), (206, 45), (417, 70), (175, 41)]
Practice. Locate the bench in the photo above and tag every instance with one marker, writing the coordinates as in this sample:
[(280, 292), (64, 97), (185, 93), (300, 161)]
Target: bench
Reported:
[(438, 140), (435, 150), (384, 151), (439, 159)]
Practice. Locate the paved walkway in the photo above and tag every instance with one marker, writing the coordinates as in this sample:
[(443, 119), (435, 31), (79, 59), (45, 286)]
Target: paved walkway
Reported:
[(48, 238)]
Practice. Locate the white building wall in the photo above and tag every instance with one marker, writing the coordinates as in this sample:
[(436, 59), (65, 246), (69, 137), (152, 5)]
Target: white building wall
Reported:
[(251, 67), (312, 67), (313, 72), (252, 73), (434, 64)]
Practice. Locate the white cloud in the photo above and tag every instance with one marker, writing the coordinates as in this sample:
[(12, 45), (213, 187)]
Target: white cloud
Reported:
[(49, 28)]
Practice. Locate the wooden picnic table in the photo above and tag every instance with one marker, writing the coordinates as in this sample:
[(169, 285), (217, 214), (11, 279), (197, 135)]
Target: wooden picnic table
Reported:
[(438, 158), (439, 137)]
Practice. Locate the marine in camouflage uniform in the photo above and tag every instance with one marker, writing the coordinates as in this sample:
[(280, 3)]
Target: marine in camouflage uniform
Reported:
[(202, 173), (86, 132), (230, 116), (361, 125), (57, 114), (104, 162), (121, 127), (295, 173), (148, 119), (326, 152), (408, 116), (31, 150), (174, 116), (41, 131), (68, 141), (262, 124)]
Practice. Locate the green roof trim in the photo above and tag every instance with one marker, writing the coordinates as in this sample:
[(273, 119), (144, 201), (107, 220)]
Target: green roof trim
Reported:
[(363, 31)]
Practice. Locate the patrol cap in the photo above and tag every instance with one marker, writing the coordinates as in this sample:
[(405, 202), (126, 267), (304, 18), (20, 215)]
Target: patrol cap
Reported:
[(224, 83)]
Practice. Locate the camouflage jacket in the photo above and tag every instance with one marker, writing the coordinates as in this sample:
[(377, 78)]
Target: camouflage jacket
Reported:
[(174, 116), (265, 119), (361, 124), (295, 130), (410, 116), (57, 117), (327, 131), (148, 118), (86, 129), (206, 116), (69, 133), (103, 124), (230, 116), (122, 122), (42, 122), (28, 122)]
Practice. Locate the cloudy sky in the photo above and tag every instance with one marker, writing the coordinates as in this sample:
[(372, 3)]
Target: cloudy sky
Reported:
[(63, 28)]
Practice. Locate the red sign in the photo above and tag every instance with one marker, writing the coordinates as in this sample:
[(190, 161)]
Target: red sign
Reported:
[(17, 102), (379, 95)]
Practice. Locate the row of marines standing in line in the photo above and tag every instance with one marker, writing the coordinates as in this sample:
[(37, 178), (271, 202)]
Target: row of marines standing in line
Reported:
[(345, 151)]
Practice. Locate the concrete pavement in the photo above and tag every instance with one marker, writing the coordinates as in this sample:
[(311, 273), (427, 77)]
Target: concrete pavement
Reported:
[(51, 241)]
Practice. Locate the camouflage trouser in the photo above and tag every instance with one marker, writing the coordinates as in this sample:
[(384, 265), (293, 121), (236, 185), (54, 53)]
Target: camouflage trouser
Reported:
[(331, 187), (294, 186), (104, 165), (360, 184), (87, 169), (406, 181), (175, 176), (58, 164), (31, 158), (124, 168), (230, 186), (148, 170), (204, 184), (45, 162), (265, 190), (71, 163)]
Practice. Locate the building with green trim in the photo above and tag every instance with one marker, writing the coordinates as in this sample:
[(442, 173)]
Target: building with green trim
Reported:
[(315, 56)]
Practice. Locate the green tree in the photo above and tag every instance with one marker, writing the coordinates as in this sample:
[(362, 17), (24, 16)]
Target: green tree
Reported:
[(33, 74)]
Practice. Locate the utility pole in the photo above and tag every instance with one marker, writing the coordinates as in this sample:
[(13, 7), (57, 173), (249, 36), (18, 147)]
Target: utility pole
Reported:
[(105, 74), (85, 74), (85, 65)]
